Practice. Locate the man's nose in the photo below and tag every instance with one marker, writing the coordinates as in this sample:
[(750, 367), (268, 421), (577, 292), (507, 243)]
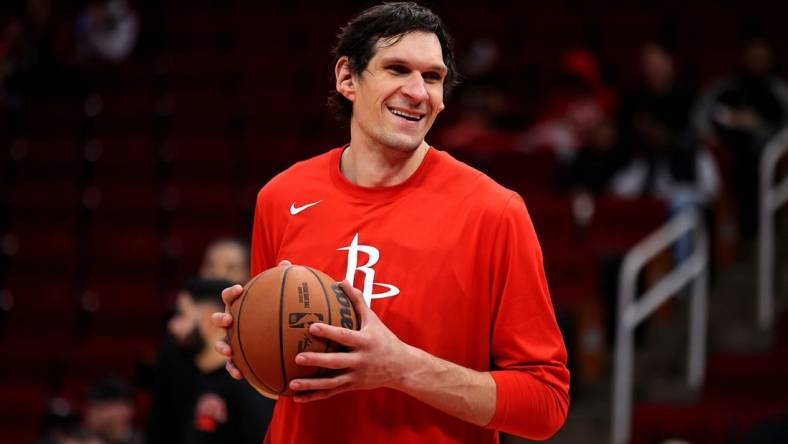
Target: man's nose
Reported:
[(415, 88)]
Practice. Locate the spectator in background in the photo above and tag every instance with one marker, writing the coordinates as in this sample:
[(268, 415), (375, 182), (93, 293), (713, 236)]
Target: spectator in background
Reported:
[(595, 163), (742, 112), (109, 412), (195, 400), (577, 103), (226, 258), (106, 30), (661, 94), (665, 163)]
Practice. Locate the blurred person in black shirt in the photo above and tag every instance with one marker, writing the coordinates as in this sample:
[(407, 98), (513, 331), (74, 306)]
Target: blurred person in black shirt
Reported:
[(742, 112), (195, 400), (664, 161)]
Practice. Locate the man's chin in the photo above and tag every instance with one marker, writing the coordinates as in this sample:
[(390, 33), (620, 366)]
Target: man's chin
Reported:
[(403, 143)]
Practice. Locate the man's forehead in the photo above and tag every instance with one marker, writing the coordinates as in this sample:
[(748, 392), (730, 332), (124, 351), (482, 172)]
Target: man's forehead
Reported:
[(415, 46)]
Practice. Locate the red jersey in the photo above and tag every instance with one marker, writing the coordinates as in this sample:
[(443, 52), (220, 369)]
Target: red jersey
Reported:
[(450, 263)]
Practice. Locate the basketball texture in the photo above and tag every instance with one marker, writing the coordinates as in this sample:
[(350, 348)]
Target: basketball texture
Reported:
[(271, 320)]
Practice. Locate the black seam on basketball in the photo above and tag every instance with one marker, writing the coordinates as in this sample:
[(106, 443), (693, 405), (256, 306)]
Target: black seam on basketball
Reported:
[(238, 333), (328, 309), (281, 336)]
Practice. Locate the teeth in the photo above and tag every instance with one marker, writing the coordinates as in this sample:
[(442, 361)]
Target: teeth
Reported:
[(405, 115)]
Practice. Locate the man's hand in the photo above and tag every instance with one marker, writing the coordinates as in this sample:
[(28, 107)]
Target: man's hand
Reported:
[(377, 358), (225, 320)]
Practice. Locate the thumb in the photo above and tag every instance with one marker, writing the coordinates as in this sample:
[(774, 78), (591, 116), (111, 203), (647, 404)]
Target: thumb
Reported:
[(357, 299)]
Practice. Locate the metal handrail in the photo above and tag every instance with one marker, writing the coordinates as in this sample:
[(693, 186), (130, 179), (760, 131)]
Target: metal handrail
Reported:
[(632, 311), (772, 197)]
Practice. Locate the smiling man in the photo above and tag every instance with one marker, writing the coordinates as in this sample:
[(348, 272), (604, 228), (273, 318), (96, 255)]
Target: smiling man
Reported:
[(458, 337)]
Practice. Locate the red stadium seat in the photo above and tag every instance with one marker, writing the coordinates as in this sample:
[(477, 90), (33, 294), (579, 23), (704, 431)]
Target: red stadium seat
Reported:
[(44, 247), (618, 224), (42, 302), (123, 306), (22, 408)]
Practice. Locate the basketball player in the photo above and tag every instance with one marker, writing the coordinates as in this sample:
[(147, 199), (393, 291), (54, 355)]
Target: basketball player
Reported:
[(458, 337)]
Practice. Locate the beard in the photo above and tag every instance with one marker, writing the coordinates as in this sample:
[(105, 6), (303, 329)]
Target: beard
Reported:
[(191, 344)]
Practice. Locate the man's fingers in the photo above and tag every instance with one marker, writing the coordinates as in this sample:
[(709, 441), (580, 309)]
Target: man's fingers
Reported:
[(301, 385), (233, 370), (221, 319), (327, 360), (223, 348), (357, 299), (320, 394), (344, 336), (230, 294)]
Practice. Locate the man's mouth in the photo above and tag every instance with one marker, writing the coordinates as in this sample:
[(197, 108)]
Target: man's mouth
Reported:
[(407, 115)]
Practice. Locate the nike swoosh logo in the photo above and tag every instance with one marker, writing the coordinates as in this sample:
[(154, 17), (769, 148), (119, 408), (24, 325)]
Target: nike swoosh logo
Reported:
[(295, 210)]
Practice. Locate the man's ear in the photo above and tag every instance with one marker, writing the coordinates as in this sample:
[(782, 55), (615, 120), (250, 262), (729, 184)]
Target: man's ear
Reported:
[(346, 84)]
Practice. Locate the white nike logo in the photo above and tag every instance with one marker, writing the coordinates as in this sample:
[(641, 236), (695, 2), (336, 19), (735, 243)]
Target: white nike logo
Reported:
[(295, 210)]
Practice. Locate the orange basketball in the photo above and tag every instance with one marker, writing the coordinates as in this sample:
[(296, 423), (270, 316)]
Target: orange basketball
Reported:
[(271, 320)]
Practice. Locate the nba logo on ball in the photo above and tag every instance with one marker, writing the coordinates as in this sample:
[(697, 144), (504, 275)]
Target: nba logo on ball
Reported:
[(304, 320)]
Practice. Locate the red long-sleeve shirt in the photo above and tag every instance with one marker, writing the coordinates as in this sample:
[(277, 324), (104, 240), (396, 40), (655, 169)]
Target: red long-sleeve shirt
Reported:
[(450, 262)]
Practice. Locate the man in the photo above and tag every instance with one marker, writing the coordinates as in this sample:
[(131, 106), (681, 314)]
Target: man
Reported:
[(460, 340), (226, 258), (194, 399), (109, 412), (742, 112)]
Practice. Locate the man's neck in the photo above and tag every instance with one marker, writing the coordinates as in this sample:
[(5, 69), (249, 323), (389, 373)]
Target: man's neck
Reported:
[(376, 166)]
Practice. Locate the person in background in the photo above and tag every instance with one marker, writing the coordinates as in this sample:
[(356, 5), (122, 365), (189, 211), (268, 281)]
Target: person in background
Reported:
[(577, 102), (665, 162), (226, 258), (195, 400), (742, 112), (109, 412), (106, 30)]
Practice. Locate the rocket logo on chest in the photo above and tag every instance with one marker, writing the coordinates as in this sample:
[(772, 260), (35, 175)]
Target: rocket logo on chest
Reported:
[(373, 255)]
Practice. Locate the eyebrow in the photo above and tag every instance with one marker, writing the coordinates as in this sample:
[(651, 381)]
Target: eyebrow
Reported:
[(398, 61)]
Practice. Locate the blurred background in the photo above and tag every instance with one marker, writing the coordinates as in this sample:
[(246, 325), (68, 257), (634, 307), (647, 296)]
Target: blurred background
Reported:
[(135, 133)]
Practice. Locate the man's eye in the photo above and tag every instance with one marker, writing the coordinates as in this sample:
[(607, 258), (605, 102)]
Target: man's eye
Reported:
[(398, 69), (432, 77)]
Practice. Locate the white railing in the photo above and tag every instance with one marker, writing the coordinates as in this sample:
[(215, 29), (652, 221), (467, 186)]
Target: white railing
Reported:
[(632, 311), (772, 197)]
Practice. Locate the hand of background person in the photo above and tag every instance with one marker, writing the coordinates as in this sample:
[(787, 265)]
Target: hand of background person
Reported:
[(376, 357), (225, 320)]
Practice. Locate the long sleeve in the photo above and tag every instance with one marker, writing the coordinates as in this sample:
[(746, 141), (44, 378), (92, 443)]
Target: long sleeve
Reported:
[(528, 352)]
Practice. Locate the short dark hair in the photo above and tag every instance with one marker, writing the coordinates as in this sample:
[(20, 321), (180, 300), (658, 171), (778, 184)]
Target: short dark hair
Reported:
[(206, 290), (242, 244), (109, 389), (358, 38)]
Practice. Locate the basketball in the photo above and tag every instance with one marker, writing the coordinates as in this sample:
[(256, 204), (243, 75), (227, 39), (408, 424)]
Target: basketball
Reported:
[(271, 321)]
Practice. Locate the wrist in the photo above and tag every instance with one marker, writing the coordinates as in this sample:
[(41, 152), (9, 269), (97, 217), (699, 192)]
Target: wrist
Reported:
[(410, 369)]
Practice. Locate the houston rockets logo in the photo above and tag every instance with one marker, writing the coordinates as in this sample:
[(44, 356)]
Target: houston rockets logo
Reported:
[(373, 255)]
